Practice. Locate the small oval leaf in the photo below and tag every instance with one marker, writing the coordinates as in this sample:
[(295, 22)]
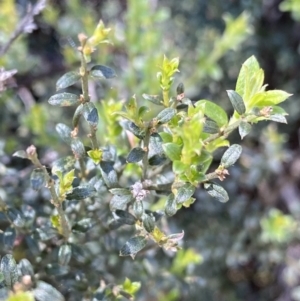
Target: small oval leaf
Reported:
[(64, 99), (180, 88), (156, 99), (278, 118), (9, 237), (217, 192), (37, 179), (81, 192), (184, 193), (231, 155), (120, 202), (236, 101), (134, 129), (9, 269), (214, 112), (64, 254), (148, 223), (166, 115), (135, 155), (210, 127), (64, 132), (133, 246), (244, 129), (25, 267), (109, 174), (21, 154), (46, 292), (128, 218), (83, 225), (90, 114), (100, 72), (138, 209), (171, 207), (63, 165), (172, 150), (67, 80), (16, 217), (77, 148)]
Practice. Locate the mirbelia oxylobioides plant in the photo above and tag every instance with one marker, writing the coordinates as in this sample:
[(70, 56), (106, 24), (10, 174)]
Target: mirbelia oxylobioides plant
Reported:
[(173, 149)]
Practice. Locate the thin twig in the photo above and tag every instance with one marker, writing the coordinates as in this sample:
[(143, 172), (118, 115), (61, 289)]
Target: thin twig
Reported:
[(56, 200), (26, 25)]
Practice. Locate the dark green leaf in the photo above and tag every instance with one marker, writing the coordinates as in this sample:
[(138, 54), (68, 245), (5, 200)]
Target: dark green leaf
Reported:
[(231, 155), (37, 179), (77, 115), (133, 128), (25, 267), (46, 292), (120, 191), (171, 207), (63, 165), (157, 160), (135, 155), (81, 192), (64, 132), (21, 154), (237, 102), (172, 150), (29, 214), (9, 269), (45, 233), (9, 237), (155, 145), (210, 127), (156, 215), (32, 245), (77, 148), (67, 80), (166, 115), (90, 114), (244, 129), (56, 270), (138, 209), (16, 217), (278, 118), (100, 72), (64, 254), (117, 223), (156, 99), (184, 193), (128, 218), (133, 246), (109, 175), (83, 225), (216, 192), (120, 202), (148, 223), (180, 88), (64, 99)]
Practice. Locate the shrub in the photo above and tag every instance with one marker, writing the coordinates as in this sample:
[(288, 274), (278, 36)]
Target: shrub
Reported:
[(156, 155)]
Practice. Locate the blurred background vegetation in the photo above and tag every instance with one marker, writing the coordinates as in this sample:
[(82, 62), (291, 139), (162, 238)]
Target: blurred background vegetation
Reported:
[(247, 249)]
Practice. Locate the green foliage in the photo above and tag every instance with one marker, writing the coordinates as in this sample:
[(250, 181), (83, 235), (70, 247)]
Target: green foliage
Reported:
[(277, 227), (116, 193), (192, 143), (292, 6)]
